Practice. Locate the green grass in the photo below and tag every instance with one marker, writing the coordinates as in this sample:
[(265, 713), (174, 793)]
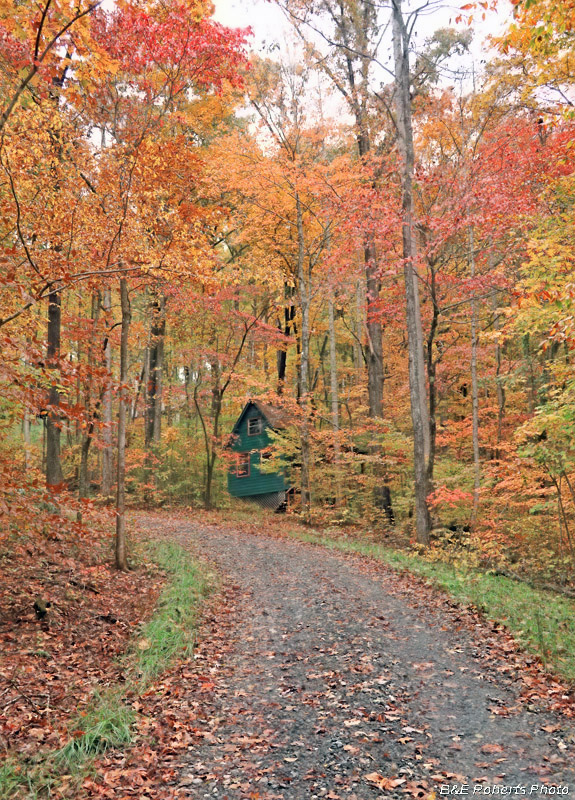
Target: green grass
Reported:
[(542, 621), (170, 633), (108, 721), (10, 779)]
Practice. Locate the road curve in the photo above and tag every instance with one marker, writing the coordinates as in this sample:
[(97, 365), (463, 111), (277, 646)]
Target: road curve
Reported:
[(343, 679)]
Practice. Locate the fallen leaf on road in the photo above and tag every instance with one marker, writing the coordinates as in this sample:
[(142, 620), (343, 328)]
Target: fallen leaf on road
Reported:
[(491, 748), (382, 782)]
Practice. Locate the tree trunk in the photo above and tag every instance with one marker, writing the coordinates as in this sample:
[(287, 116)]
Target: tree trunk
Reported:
[(156, 365), (304, 295), (208, 500), (432, 375), (54, 475), (107, 410), (334, 393), (142, 382), (26, 437), (289, 317), (417, 389), (212, 456), (359, 323), (360, 21), (320, 367), (499, 385), (158, 397), (474, 386), (375, 375), (83, 476), (374, 358), (333, 366), (208, 450), (382, 500), (121, 558)]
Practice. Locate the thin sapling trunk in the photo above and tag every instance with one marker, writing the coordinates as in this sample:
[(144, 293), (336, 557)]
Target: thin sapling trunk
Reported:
[(121, 557)]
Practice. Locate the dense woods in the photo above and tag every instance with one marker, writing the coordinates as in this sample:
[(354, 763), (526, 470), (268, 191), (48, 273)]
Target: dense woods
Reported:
[(374, 235), (330, 276)]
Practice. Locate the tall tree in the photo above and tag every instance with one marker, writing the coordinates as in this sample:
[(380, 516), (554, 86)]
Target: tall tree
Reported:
[(352, 31), (121, 553), (417, 385), (54, 474), (153, 417)]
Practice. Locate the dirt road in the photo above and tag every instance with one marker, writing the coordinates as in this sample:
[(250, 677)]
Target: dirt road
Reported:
[(343, 679)]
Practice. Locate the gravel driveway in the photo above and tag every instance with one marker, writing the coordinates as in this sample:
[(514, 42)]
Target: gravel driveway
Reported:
[(343, 679)]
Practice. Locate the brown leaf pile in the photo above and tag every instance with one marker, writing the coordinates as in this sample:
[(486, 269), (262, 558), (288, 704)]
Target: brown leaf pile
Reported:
[(50, 666)]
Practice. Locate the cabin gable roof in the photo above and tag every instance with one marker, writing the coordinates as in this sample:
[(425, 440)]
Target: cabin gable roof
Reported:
[(275, 417)]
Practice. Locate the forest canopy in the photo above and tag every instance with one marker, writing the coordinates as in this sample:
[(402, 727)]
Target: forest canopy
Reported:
[(370, 231)]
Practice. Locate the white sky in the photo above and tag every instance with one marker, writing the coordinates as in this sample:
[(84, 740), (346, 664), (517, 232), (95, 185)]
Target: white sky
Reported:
[(264, 17), (270, 25)]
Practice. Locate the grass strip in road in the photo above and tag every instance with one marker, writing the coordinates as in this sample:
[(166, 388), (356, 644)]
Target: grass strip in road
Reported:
[(542, 621), (171, 632), (108, 722)]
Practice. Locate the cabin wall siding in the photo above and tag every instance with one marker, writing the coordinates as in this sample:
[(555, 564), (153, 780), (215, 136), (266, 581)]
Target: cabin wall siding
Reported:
[(256, 482), (246, 442)]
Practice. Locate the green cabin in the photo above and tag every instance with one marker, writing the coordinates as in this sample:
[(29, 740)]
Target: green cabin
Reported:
[(249, 440)]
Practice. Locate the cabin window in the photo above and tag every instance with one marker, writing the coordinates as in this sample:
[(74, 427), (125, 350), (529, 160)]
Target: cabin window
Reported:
[(254, 426), (243, 466)]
